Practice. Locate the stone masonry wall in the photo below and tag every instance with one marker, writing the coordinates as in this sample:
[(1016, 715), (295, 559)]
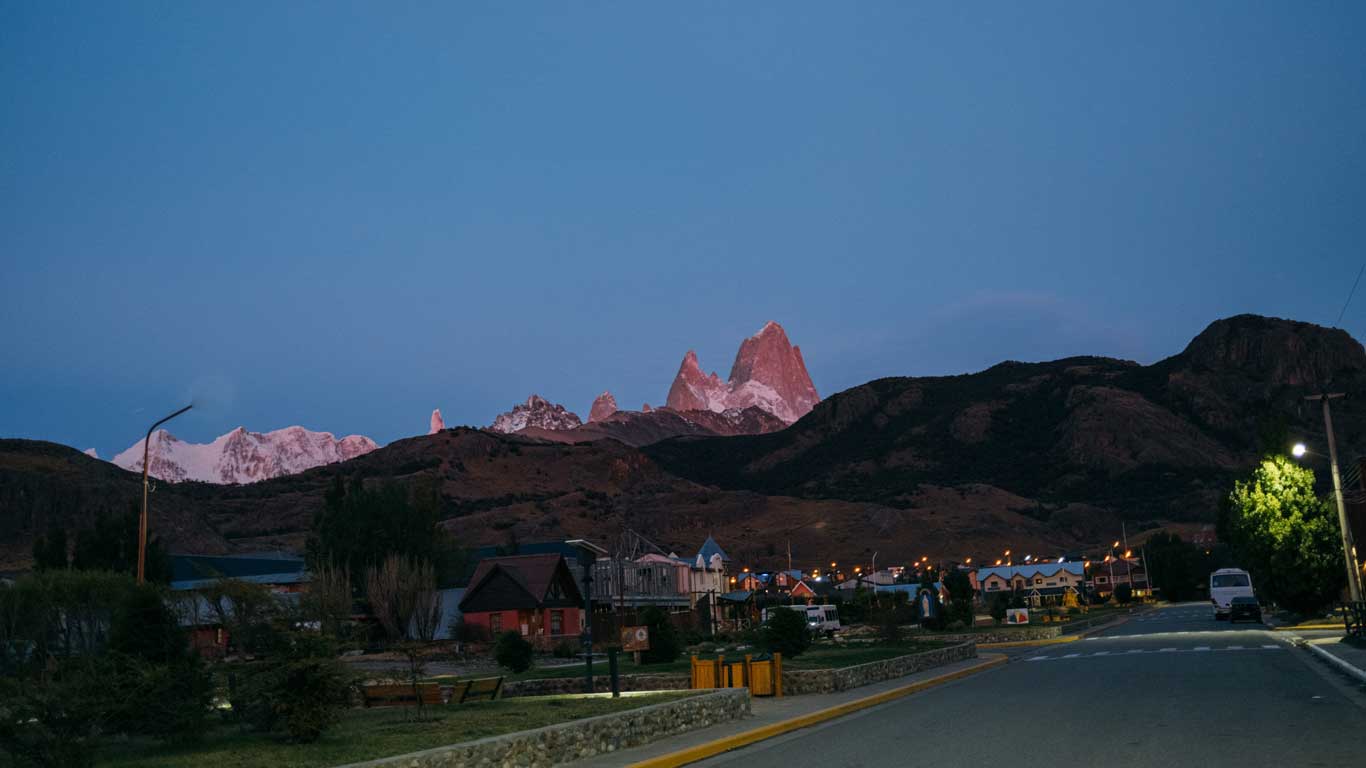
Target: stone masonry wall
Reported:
[(580, 739), (601, 683), (997, 636), (801, 681)]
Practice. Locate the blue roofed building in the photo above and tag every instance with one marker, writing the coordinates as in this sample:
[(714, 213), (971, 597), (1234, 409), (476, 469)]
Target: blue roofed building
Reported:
[(710, 547)]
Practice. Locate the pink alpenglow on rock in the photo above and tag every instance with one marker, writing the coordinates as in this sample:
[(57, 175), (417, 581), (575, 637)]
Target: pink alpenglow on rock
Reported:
[(241, 456), (604, 405), (437, 423), (769, 373), (536, 412)]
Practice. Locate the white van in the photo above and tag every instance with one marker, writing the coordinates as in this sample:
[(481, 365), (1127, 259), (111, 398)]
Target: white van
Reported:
[(819, 618), (1226, 584)]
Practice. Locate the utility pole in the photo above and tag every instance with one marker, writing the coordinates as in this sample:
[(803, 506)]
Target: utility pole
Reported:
[(1348, 547), (1128, 567)]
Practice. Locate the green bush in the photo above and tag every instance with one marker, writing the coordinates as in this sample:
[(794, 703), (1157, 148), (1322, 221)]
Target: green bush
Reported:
[(512, 651), (785, 632), (303, 690), (145, 628), (665, 643), (565, 650), (54, 721), (997, 606), (1124, 594)]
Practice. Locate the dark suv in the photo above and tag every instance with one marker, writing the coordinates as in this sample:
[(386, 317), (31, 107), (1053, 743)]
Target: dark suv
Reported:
[(1244, 608)]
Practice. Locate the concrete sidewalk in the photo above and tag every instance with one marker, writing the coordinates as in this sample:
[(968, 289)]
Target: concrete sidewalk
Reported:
[(1333, 649), (772, 711)]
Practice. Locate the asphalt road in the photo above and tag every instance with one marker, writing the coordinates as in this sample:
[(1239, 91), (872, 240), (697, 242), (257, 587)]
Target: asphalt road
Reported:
[(1172, 687)]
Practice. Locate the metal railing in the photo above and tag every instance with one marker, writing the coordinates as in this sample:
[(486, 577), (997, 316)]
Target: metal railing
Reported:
[(1354, 616)]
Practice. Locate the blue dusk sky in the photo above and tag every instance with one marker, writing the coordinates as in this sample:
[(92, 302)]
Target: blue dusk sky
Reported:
[(344, 215)]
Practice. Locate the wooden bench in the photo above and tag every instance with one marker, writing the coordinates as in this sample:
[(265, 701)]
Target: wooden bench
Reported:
[(395, 695), (487, 688)]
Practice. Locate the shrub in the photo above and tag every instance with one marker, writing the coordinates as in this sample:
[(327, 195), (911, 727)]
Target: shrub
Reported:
[(145, 628), (304, 690), (888, 628), (565, 650), (785, 632), (54, 722), (512, 651), (1124, 594), (665, 644), (997, 606)]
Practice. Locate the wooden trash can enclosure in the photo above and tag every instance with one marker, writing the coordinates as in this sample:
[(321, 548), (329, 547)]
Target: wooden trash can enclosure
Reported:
[(763, 676)]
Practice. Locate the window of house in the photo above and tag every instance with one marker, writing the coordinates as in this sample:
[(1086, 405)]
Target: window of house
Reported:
[(557, 622), (496, 623), (1100, 579), (1038, 582)]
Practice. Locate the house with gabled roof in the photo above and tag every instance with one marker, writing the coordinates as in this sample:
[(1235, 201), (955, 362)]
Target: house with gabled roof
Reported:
[(534, 595), (709, 548), (1038, 583)]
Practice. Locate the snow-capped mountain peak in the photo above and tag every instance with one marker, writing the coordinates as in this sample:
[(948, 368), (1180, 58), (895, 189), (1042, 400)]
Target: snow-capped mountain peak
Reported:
[(241, 456), (536, 412), (768, 373)]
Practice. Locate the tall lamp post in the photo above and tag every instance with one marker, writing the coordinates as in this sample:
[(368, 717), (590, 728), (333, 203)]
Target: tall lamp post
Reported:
[(590, 553), (1348, 547), (142, 519)]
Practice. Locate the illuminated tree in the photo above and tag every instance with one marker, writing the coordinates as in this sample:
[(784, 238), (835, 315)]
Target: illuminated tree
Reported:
[(1286, 536)]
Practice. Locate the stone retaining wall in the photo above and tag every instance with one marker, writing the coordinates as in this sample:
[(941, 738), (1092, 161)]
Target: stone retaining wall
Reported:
[(801, 681), (580, 739), (601, 683), (997, 636)]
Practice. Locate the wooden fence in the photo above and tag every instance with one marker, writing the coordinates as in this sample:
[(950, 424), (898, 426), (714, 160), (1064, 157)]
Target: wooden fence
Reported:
[(762, 678)]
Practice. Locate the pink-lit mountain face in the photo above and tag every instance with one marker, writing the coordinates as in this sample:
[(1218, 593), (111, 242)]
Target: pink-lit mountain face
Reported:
[(768, 373), (604, 405), (241, 456), (536, 412)]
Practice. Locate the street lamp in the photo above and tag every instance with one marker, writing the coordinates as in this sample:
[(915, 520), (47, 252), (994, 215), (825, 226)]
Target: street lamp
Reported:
[(142, 519), (1299, 450)]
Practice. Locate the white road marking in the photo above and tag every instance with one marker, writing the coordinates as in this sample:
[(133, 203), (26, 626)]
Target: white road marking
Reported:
[(1101, 653), (1271, 646), (1201, 648), (1038, 658), (1071, 655), (1166, 650), (1235, 648)]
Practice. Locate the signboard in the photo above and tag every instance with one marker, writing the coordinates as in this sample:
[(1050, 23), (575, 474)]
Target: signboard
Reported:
[(1017, 615), (635, 638)]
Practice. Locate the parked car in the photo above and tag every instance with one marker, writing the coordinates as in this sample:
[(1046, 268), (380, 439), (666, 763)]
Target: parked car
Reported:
[(1226, 584), (1244, 607)]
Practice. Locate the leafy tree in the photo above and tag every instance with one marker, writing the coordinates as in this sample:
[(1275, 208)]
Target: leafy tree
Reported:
[(997, 606), (960, 591), (302, 689), (1175, 566), (785, 632), (665, 643), (144, 627), (360, 525), (512, 651), (1286, 536), (49, 550), (250, 612), (55, 720), (1124, 594), (111, 544)]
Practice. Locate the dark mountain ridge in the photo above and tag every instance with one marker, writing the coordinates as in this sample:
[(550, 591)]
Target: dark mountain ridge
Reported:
[(1046, 455)]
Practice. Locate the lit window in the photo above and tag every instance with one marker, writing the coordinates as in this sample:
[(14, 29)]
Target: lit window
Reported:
[(496, 623)]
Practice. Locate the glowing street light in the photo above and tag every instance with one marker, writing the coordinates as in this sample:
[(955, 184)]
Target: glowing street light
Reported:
[(1299, 450)]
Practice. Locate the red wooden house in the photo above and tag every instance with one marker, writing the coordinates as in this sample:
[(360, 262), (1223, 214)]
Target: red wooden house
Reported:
[(535, 595)]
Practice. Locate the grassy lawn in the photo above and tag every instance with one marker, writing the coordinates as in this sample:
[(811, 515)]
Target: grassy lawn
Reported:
[(819, 656), (366, 734), (828, 656)]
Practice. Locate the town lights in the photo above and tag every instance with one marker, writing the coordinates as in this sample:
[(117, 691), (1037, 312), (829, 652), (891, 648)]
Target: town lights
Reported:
[(998, 562), (1128, 553), (968, 561), (1299, 450)]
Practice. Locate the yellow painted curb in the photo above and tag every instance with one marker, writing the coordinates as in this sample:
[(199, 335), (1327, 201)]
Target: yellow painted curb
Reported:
[(1309, 627), (726, 744)]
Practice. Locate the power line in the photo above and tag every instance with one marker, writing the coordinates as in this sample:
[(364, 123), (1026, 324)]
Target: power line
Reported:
[(1350, 294)]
